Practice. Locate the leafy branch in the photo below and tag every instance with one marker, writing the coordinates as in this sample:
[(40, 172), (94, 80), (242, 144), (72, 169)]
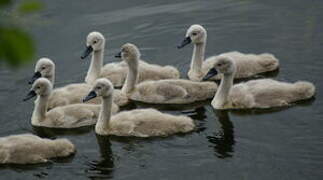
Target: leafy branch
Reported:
[(16, 45)]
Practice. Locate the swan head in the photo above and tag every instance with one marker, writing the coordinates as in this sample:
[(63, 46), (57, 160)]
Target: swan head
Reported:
[(41, 87), (222, 64), (95, 41), (195, 34), (129, 52), (44, 68), (102, 87)]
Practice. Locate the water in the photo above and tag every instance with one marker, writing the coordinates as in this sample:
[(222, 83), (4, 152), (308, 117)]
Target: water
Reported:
[(273, 144)]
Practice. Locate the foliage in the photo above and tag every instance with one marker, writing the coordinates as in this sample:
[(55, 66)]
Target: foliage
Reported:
[(16, 45)]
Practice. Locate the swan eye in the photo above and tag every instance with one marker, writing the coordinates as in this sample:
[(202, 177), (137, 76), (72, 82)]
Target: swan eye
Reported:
[(99, 88), (43, 68), (95, 41), (38, 87), (194, 33)]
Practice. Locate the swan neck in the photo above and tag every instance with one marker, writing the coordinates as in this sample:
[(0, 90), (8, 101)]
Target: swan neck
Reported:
[(198, 57), (105, 114), (51, 78), (39, 113), (221, 96), (95, 66), (132, 76)]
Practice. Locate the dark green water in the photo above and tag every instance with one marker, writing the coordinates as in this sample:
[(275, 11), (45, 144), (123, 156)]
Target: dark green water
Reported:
[(275, 144)]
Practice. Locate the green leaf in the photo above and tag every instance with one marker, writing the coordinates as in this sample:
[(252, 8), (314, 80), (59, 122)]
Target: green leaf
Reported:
[(30, 6), (16, 46), (4, 2)]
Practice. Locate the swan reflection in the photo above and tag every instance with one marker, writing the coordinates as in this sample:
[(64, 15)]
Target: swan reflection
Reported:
[(104, 166), (222, 140)]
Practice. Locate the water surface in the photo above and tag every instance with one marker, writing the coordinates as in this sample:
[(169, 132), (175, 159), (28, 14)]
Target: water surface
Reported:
[(282, 143)]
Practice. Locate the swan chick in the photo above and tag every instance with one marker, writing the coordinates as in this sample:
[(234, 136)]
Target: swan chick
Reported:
[(69, 116), (248, 65), (31, 149), (139, 122), (69, 94), (116, 72), (168, 91), (263, 93)]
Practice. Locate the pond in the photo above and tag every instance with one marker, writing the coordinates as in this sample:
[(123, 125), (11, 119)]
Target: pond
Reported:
[(284, 143)]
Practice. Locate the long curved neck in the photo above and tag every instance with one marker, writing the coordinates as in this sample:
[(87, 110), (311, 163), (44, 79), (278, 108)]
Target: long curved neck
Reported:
[(198, 57), (132, 76), (221, 97), (105, 115), (51, 78), (95, 66), (39, 113)]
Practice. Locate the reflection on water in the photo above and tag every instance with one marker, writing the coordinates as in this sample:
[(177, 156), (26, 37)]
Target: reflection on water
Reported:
[(248, 112), (173, 107), (279, 143), (223, 137), (102, 168), (52, 133), (198, 115)]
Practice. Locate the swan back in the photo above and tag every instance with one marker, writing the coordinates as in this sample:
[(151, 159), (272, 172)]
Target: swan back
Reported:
[(149, 123), (31, 149), (266, 93), (248, 65), (173, 91), (70, 94)]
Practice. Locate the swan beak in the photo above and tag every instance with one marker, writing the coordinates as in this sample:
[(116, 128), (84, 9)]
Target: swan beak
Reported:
[(30, 95), (35, 77), (118, 55), (185, 42), (212, 72), (87, 52), (90, 96)]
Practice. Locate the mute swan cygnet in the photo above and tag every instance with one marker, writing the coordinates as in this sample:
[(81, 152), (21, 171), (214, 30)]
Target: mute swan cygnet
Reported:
[(263, 93), (171, 91), (248, 65), (139, 122), (117, 72), (69, 116), (69, 94), (31, 149)]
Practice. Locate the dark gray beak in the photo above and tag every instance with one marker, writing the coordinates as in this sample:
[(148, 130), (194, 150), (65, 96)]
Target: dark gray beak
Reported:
[(212, 72), (87, 52), (185, 42), (90, 96), (118, 55), (30, 95), (35, 77)]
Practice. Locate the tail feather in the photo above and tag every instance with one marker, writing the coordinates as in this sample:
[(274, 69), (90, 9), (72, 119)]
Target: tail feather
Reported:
[(173, 72), (269, 61), (305, 89)]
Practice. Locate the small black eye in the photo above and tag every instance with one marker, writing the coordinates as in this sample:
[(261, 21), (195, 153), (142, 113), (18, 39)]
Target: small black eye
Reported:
[(99, 87), (38, 87), (42, 67), (194, 33), (94, 42)]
